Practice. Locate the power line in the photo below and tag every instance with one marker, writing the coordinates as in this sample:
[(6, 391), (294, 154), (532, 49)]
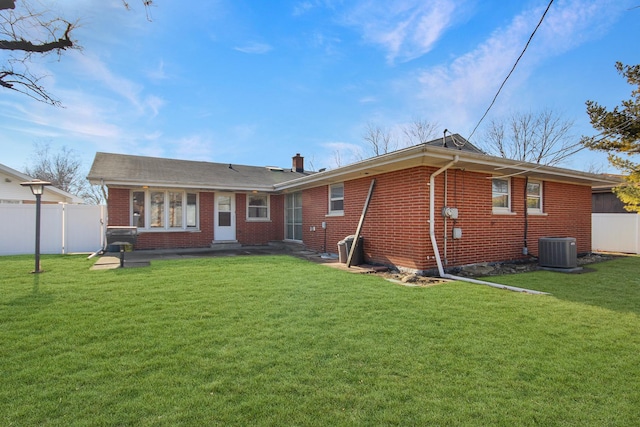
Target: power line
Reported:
[(601, 137), (512, 69)]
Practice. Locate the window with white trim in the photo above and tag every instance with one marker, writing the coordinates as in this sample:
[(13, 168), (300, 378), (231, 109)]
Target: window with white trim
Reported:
[(258, 207), (534, 197), (164, 210), (501, 195), (336, 199), (138, 204)]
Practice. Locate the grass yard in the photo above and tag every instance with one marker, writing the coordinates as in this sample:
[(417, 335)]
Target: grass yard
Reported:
[(274, 340)]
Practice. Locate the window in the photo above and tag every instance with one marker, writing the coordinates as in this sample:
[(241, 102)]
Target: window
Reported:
[(336, 199), (175, 209), (293, 216), (224, 210), (192, 210), (501, 195), (257, 207), (534, 197), (164, 210), (138, 209), (157, 209)]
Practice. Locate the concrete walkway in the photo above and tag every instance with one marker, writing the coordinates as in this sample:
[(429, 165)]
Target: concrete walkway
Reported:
[(142, 258)]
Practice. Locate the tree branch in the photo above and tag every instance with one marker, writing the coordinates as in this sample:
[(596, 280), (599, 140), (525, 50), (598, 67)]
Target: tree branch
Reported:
[(7, 4), (27, 46), (26, 85)]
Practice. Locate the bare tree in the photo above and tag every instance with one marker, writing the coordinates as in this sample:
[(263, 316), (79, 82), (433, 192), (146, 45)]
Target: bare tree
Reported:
[(542, 138), (27, 28), (94, 194), (63, 169), (379, 139), (419, 131), (337, 158)]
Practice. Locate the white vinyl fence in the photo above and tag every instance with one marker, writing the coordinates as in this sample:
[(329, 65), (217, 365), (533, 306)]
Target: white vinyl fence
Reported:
[(615, 232), (64, 228)]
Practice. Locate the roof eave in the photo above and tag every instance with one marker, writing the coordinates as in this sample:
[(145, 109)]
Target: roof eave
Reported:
[(425, 155), (181, 185)]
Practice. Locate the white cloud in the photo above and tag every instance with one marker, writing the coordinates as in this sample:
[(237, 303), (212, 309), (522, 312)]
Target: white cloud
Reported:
[(125, 88), (460, 91), (154, 103), (406, 29), (302, 8), (254, 48), (193, 147), (327, 43), (368, 100), (80, 118), (153, 136)]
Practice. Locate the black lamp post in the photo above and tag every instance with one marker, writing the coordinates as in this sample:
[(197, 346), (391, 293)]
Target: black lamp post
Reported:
[(37, 188)]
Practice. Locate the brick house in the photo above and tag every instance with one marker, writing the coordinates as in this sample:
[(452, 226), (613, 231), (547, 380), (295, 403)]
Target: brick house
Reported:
[(498, 207)]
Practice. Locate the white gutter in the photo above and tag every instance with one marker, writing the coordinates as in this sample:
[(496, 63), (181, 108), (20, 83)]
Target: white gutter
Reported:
[(434, 243)]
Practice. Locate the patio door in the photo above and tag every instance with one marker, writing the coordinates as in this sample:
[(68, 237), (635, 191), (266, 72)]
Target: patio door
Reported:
[(225, 217), (293, 216)]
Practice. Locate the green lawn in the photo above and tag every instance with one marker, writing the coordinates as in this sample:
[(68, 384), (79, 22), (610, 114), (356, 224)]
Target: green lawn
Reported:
[(274, 340)]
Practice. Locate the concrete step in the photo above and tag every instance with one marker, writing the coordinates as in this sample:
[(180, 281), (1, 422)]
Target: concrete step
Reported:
[(225, 246)]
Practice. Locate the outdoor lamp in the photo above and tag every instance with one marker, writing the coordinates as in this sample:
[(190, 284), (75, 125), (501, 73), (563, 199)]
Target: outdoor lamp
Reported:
[(37, 188)]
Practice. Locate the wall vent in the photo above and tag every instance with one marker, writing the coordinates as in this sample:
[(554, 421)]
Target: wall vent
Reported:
[(557, 252)]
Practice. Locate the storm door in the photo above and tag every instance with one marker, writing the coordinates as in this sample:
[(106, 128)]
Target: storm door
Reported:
[(225, 217)]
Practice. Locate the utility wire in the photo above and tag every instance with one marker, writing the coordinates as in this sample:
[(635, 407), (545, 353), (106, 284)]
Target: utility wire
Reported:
[(564, 153), (512, 69)]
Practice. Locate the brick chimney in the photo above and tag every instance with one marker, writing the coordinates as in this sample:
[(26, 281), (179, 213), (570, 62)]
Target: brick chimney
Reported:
[(298, 163)]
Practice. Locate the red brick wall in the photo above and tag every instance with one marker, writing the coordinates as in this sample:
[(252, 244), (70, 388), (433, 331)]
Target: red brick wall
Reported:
[(247, 232), (118, 206), (259, 232), (491, 237), (396, 228), (314, 211), (119, 214)]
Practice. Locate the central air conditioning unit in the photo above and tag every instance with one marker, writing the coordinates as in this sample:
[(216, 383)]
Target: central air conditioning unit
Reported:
[(557, 252)]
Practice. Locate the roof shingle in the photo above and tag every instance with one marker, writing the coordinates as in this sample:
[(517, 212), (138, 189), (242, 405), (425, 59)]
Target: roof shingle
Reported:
[(124, 169)]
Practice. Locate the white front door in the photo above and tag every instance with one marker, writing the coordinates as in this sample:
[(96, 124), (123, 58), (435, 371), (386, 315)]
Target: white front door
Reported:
[(225, 217)]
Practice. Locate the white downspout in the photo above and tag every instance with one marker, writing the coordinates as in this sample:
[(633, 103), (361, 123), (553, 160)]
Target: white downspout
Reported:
[(434, 243), (432, 222)]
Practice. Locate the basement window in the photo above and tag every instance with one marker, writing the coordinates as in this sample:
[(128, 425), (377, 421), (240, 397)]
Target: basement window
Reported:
[(501, 195)]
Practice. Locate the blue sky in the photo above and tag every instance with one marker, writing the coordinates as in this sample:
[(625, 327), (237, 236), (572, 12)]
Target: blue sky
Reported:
[(255, 82)]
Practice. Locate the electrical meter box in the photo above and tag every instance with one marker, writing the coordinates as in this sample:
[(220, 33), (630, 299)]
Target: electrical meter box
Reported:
[(448, 212)]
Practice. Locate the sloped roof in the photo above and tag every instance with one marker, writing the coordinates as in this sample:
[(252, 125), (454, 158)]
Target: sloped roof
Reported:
[(454, 142), (48, 190), (126, 170)]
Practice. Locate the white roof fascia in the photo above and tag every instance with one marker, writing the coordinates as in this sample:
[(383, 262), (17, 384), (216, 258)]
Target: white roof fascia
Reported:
[(366, 166), (189, 185), (495, 166)]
